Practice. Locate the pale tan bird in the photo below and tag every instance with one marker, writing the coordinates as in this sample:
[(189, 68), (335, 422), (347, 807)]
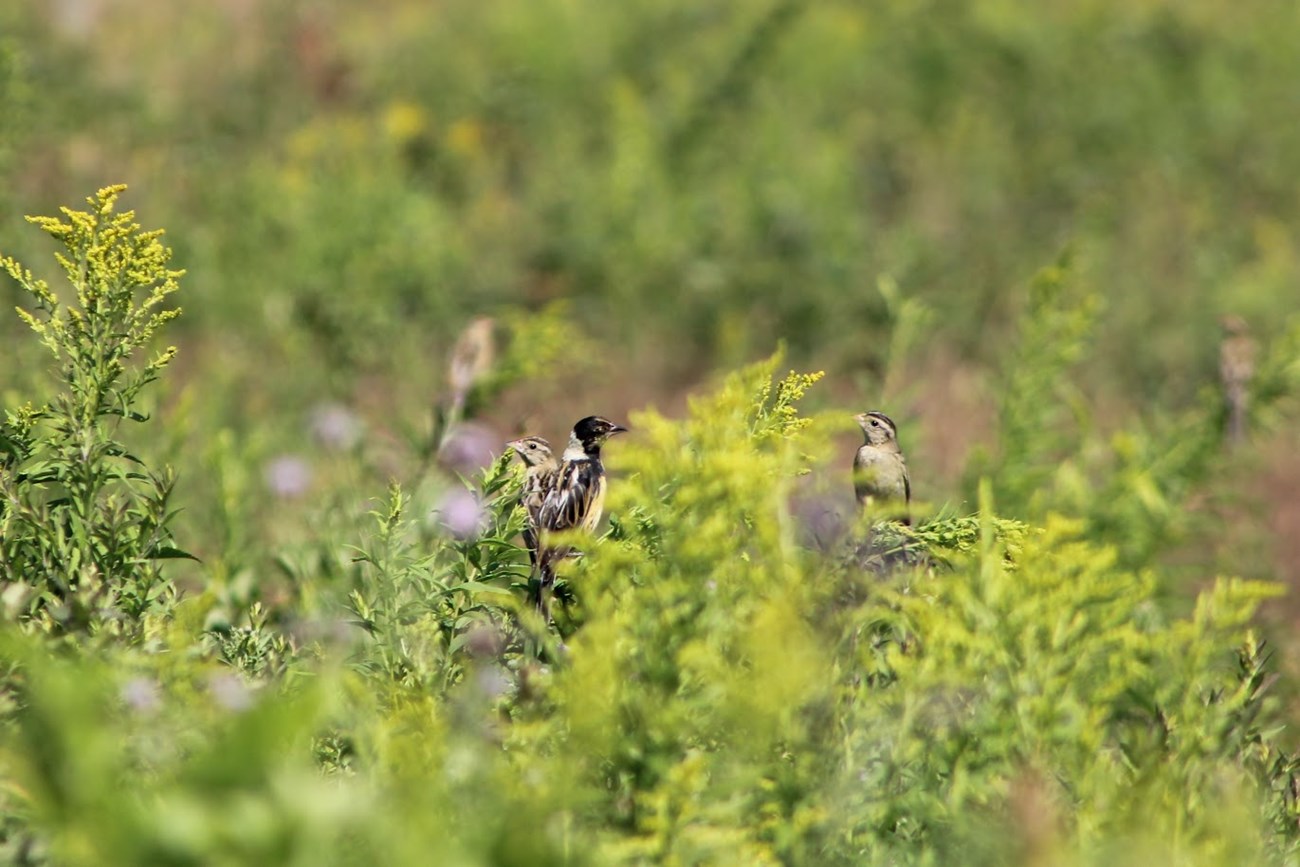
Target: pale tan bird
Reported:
[(1236, 369), (539, 474), (880, 478), (471, 360)]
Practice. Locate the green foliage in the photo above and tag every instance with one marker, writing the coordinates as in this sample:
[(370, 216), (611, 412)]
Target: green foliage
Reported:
[(83, 521), (621, 157), (1057, 453), (766, 702), (1034, 432), (539, 340), (257, 650), (430, 604), (1013, 694), (15, 99), (641, 194), (910, 323), (1052, 671), (1277, 381)]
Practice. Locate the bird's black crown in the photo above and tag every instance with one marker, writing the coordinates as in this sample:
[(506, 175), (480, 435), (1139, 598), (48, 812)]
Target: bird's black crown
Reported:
[(594, 429)]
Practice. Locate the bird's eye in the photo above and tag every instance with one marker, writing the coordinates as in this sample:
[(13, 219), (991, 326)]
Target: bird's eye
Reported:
[(875, 423)]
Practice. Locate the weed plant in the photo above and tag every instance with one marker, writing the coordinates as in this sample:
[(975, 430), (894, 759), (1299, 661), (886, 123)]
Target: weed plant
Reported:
[(714, 690), (83, 520)]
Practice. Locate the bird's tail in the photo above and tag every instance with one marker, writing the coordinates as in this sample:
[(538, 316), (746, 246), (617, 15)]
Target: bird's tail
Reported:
[(546, 581)]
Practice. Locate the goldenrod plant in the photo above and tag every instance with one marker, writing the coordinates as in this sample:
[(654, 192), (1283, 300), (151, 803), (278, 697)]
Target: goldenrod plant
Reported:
[(84, 522)]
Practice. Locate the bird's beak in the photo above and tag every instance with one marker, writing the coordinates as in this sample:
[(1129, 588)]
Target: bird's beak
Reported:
[(617, 429)]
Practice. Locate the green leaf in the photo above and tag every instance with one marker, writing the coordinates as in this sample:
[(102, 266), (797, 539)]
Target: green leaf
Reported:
[(165, 552)]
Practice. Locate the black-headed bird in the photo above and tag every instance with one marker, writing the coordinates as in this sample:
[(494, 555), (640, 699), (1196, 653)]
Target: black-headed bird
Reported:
[(539, 470), (880, 478), (575, 499)]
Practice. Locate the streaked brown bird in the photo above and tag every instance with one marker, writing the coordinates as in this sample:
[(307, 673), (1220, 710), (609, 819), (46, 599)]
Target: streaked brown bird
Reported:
[(1236, 370), (575, 500), (880, 477), (539, 472)]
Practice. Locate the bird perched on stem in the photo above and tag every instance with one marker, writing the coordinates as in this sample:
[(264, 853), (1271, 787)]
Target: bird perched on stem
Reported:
[(575, 499), (1236, 369), (470, 364), (539, 470), (880, 475), (471, 361)]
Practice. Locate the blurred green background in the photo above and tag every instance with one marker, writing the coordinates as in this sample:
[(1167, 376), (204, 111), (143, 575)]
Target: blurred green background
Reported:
[(693, 182), (684, 185)]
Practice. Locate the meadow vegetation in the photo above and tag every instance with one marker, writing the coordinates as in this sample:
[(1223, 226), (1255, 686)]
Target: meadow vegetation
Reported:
[(263, 600)]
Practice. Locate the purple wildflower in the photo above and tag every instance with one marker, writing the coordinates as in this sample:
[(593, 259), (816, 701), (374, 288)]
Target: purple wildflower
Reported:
[(335, 426), (469, 448), (141, 695), (288, 476), (462, 514)]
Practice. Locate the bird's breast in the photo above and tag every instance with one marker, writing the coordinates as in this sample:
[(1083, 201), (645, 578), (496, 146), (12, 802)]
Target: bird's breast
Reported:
[(596, 504)]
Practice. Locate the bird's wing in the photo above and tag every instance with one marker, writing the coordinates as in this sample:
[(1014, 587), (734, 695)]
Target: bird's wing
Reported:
[(861, 477), (568, 501), (536, 487)]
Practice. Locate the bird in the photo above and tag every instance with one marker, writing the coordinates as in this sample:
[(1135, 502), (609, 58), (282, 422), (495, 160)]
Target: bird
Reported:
[(471, 361), (575, 498), (1236, 369), (880, 474), (539, 470)]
